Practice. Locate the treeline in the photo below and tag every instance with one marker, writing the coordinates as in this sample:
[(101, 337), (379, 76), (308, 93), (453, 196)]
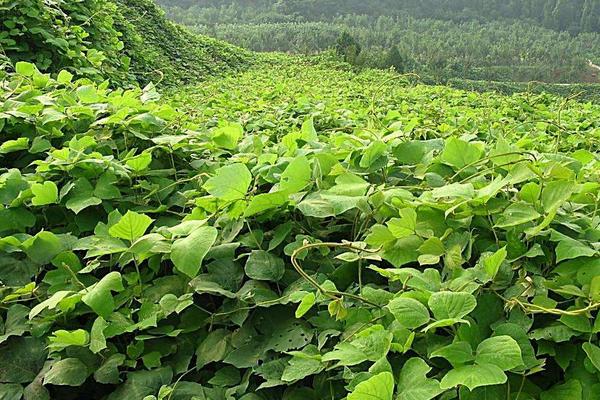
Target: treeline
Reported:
[(574, 16), (467, 39), (492, 51)]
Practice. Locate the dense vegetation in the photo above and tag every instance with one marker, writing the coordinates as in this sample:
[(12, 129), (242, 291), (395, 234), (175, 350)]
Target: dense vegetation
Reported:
[(432, 40), (298, 230), (128, 41)]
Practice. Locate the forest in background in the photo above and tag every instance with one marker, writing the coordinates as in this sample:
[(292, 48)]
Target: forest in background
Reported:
[(507, 41)]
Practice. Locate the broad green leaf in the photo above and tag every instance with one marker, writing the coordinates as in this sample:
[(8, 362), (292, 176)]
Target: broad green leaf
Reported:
[(187, 253), (88, 94), (15, 323), (230, 182), (98, 297), (140, 384), (25, 68), (570, 390), (378, 387), (308, 301), (228, 136), (409, 312), (44, 193), (82, 196), (450, 305), (108, 372), (458, 153), (457, 353), (593, 353), (141, 162), (22, 359), (264, 266), (97, 338), (555, 194), (10, 146), (413, 383), (67, 372), (62, 339), (375, 150), (346, 354), (11, 391), (568, 249), (265, 201), (517, 214), (492, 262), (131, 226), (501, 351), (296, 176), (473, 376), (64, 76), (302, 364), (43, 247)]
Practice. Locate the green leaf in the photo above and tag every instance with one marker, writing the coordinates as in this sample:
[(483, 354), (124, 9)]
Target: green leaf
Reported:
[(97, 338), (188, 253), (98, 297), (67, 372), (265, 201), (11, 391), (308, 301), (375, 150), (492, 262), (22, 359), (43, 247), (64, 77), (517, 214), (451, 305), (62, 339), (457, 353), (131, 226), (296, 176), (230, 182), (88, 94), (44, 193), (228, 136), (264, 266), (568, 249), (378, 387), (10, 146), (593, 353), (501, 351), (141, 162), (413, 383), (82, 196), (140, 384), (458, 153), (303, 364), (409, 312), (570, 390), (25, 68), (108, 372), (473, 376), (555, 194)]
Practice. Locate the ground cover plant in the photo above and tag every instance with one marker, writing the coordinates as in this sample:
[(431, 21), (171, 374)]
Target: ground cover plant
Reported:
[(297, 232)]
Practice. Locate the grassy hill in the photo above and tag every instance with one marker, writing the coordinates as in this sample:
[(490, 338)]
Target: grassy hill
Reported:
[(123, 40), (160, 48)]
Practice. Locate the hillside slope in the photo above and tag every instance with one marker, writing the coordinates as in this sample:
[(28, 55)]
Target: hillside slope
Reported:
[(160, 48), (122, 40)]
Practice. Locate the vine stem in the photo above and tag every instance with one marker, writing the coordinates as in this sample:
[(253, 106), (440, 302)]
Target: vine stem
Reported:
[(332, 294)]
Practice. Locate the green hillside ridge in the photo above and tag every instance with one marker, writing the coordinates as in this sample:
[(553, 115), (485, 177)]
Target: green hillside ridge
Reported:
[(161, 48), (126, 41)]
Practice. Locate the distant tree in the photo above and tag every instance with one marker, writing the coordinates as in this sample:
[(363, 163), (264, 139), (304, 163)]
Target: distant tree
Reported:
[(395, 59), (347, 47)]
